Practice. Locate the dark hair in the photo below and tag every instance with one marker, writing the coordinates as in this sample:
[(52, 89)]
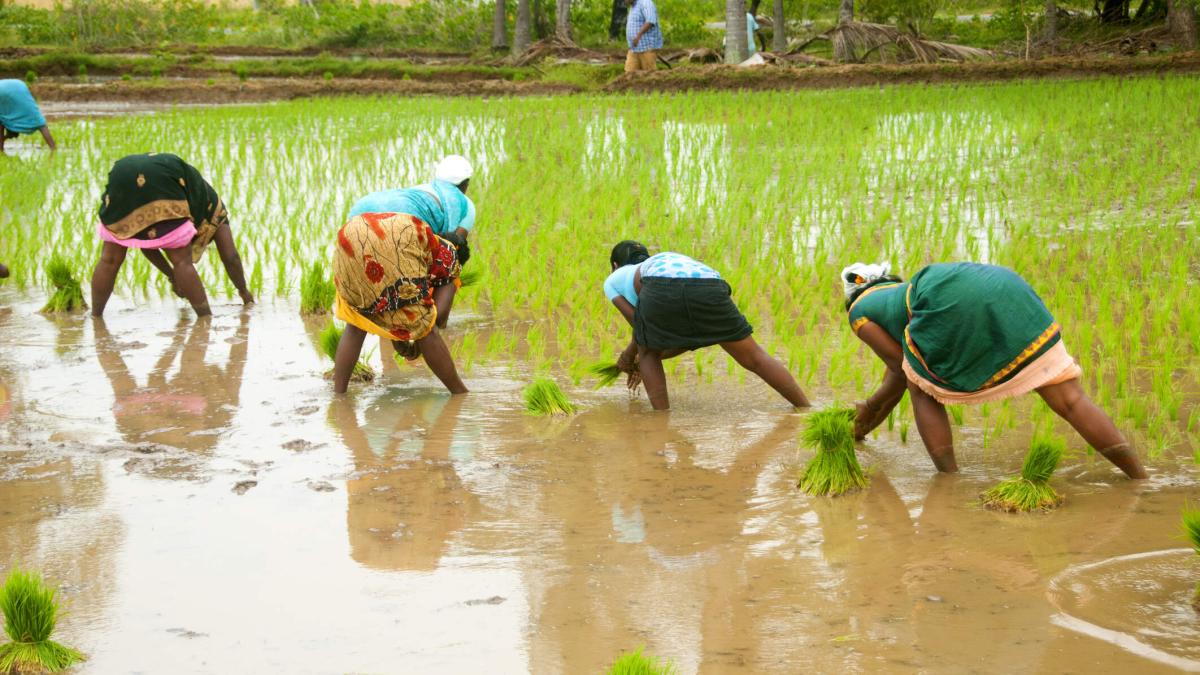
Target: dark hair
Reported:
[(462, 187), (628, 252), (885, 279)]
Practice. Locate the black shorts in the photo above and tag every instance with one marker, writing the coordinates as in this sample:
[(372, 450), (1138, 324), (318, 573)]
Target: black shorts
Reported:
[(686, 314)]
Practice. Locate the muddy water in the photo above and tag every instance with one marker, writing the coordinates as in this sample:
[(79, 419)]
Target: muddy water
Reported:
[(210, 507)]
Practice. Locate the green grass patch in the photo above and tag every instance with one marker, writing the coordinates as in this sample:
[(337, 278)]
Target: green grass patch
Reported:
[(316, 289)]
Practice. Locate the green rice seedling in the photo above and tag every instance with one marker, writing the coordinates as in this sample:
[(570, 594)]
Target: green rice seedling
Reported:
[(1191, 530), (316, 289), (543, 397), (30, 613), (1030, 491), (328, 341), (834, 470), (470, 277), (68, 294), (637, 663), (605, 372)]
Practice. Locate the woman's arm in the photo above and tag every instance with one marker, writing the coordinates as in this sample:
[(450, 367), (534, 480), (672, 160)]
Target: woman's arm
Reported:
[(45, 129), (872, 412)]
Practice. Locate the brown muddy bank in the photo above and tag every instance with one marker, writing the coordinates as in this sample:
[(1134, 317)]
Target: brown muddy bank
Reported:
[(210, 506), (680, 78)]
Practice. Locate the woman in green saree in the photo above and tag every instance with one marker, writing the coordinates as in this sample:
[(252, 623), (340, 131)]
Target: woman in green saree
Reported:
[(960, 333)]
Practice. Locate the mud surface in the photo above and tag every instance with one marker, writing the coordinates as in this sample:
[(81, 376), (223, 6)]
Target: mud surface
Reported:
[(211, 507)]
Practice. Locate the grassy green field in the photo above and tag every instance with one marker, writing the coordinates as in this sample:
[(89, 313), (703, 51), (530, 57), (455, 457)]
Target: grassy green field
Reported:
[(1085, 188)]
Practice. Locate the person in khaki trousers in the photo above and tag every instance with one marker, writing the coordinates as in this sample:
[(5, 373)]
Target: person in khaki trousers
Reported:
[(643, 34)]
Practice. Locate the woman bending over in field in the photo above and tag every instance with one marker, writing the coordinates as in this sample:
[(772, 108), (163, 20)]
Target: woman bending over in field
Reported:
[(157, 202), (676, 304), (387, 268), (968, 333)]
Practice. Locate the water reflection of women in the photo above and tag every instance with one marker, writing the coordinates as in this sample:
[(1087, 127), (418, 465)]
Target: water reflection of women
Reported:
[(405, 499), (171, 408)]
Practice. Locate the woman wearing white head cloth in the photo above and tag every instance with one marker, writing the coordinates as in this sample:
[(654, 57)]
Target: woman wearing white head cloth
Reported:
[(961, 333), (443, 205)]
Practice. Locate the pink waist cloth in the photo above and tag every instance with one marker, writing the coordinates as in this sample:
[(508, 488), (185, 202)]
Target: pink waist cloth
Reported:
[(180, 237), (1054, 367)]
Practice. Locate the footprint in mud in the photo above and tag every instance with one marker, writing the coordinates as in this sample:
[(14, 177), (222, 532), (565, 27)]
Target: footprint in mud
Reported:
[(241, 487), (301, 445), (307, 410), (185, 633), (321, 486), (494, 600)]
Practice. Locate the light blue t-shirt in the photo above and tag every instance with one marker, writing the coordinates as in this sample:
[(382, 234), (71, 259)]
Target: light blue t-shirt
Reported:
[(751, 26), (667, 265), (18, 111), (440, 204)]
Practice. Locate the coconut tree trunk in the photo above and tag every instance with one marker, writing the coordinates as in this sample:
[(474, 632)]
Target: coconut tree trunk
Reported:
[(562, 20), (846, 11), (1050, 29), (523, 31), (499, 29), (736, 49), (780, 29), (1181, 18)]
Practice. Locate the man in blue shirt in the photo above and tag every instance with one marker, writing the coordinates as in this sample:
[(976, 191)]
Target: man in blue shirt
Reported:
[(643, 34)]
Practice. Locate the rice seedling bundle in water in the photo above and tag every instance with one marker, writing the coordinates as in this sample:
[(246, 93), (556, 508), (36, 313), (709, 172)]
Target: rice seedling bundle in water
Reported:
[(68, 294), (1191, 529), (328, 341), (543, 397), (1031, 490), (316, 290), (637, 663), (605, 373), (834, 470), (30, 613)]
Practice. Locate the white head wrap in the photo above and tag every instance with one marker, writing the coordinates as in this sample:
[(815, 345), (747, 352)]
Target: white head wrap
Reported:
[(453, 169), (858, 275)]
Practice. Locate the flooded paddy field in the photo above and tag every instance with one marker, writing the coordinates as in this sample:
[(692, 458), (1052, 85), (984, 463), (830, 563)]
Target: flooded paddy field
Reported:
[(208, 505)]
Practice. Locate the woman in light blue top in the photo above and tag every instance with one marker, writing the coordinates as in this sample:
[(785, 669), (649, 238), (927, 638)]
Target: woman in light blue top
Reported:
[(676, 304), (443, 205), (19, 113)]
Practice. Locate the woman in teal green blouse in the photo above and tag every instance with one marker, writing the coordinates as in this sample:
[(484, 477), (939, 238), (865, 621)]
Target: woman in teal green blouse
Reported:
[(961, 333)]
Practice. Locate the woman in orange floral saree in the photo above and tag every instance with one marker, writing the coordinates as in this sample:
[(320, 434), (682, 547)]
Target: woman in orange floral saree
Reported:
[(388, 269)]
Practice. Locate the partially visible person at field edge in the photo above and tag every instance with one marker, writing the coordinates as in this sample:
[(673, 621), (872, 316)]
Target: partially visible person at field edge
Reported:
[(19, 114), (387, 269), (960, 333), (442, 204), (643, 34), (751, 32), (3, 271), (158, 203), (676, 304)]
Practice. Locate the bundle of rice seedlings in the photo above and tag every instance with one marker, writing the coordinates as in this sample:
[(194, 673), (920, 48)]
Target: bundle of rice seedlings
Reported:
[(30, 613), (470, 277), (637, 663), (543, 397), (68, 294), (1031, 490), (1191, 529), (328, 340), (316, 289), (605, 372), (834, 470)]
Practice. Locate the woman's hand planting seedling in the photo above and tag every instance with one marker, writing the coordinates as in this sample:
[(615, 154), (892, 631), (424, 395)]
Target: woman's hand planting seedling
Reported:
[(1031, 490), (30, 613), (834, 470)]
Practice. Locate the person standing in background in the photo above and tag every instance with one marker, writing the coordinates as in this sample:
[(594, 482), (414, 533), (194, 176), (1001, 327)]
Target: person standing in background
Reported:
[(643, 34)]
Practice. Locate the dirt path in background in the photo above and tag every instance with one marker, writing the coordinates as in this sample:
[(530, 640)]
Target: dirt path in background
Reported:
[(229, 90)]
